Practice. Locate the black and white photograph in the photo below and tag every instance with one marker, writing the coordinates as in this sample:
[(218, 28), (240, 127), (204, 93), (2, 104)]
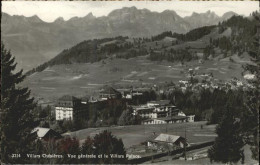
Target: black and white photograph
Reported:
[(130, 82)]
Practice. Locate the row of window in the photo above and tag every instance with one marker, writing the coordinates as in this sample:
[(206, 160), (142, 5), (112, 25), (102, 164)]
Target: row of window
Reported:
[(66, 103), (163, 122)]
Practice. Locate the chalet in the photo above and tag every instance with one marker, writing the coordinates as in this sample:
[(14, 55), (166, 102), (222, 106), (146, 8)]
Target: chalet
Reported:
[(109, 93), (45, 134), (172, 140), (69, 108)]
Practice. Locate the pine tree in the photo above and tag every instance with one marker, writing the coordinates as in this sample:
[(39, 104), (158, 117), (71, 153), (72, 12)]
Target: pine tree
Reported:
[(16, 107), (126, 117), (228, 145), (69, 146), (105, 143), (87, 148), (250, 117)]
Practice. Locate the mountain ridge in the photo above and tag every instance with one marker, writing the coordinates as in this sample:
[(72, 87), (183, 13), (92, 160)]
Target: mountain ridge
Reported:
[(32, 37)]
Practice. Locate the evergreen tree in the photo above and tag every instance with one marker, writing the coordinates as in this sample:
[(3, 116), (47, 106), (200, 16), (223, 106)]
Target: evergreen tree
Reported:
[(106, 144), (16, 112), (250, 117), (66, 147), (228, 145), (87, 148), (126, 117)]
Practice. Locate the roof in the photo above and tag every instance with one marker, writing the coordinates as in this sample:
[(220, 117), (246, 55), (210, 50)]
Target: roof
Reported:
[(167, 138), (41, 132), (160, 102), (139, 108), (68, 98), (141, 89), (109, 90)]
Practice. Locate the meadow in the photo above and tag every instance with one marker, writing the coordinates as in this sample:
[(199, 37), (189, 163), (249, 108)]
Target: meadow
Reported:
[(136, 134), (88, 78)]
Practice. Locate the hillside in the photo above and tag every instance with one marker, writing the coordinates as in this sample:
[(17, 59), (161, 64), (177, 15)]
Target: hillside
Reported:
[(229, 37), (80, 79), (124, 62), (34, 41), (123, 47)]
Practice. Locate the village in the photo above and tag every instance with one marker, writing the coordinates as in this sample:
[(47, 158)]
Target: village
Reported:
[(132, 83), (154, 112), (155, 125), (158, 126)]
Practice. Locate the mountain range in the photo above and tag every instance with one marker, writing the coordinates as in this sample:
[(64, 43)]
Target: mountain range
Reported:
[(33, 41)]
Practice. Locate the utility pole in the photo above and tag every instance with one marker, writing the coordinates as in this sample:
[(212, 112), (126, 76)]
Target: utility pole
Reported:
[(185, 145), (166, 127)]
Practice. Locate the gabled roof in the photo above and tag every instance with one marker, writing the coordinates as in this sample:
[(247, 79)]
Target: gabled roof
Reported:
[(109, 90), (41, 132), (167, 138), (68, 98)]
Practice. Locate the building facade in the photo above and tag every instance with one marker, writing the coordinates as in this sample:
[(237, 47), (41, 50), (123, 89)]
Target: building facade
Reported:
[(69, 108), (165, 120), (161, 112)]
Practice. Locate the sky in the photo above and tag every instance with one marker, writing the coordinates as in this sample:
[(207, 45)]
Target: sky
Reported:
[(50, 10)]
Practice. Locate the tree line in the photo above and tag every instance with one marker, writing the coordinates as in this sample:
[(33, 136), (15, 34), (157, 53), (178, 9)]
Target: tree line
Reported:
[(94, 150), (235, 131), (192, 35)]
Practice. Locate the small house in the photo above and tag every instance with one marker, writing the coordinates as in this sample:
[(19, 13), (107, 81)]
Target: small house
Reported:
[(45, 134), (171, 140)]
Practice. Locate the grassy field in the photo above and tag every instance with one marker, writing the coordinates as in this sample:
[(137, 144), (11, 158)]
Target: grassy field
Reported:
[(86, 79), (168, 159), (135, 134)]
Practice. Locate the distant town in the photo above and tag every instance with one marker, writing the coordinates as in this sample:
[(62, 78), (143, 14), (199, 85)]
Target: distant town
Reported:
[(154, 112)]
